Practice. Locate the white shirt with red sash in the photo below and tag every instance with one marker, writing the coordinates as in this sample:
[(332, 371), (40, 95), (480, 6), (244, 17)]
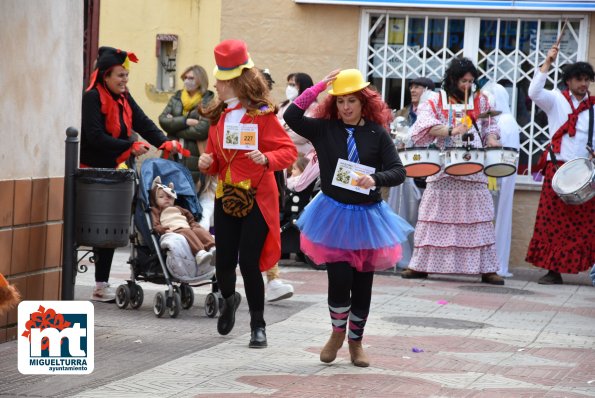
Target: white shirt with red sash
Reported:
[(557, 108)]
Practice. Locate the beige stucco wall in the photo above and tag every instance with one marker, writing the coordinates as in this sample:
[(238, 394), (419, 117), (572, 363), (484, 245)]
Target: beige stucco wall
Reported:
[(523, 220), (288, 37), (41, 77), (133, 25)]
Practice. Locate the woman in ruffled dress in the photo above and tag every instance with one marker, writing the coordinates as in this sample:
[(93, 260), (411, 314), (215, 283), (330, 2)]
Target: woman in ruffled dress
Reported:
[(455, 231)]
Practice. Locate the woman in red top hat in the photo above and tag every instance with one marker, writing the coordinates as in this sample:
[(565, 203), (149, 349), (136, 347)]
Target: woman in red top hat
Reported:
[(109, 116), (246, 145)]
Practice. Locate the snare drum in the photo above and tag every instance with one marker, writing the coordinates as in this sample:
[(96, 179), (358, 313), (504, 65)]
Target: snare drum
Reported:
[(421, 162), (500, 161), (463, 161), (574, 182)]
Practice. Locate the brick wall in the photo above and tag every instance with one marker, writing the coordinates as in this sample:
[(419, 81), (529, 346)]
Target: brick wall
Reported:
[(30, 241)]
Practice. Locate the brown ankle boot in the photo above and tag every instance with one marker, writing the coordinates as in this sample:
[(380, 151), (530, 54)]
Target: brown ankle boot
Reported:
[(358, 356), (492, 278), (329, 351)]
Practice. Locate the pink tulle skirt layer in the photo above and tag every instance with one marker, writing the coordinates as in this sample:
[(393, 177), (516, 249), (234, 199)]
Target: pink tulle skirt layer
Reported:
[(363, 260)]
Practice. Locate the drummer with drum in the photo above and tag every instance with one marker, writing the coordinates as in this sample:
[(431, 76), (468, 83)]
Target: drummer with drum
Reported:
[(454, 232), (564, 236)]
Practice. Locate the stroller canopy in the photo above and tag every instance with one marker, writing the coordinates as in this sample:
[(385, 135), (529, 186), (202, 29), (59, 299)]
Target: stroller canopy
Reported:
[(169, 172)]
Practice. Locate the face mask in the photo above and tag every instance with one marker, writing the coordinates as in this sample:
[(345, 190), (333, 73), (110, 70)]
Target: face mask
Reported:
[(190, 84), (291, 92)]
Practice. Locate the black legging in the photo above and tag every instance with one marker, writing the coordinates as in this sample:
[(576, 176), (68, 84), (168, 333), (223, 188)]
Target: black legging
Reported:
[(103, 263), (347, 285), (241, 238)]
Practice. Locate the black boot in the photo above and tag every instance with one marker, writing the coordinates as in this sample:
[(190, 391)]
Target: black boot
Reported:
[(258, 338), (551, 278), (228, 314), (258, 335)]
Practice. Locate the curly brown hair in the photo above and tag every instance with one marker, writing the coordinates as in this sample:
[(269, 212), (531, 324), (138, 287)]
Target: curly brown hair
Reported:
[(373, 107), (251, 89)]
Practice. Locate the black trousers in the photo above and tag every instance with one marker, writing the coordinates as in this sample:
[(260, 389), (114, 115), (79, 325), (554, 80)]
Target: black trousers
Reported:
[(347, 285), (241, 239), (103, 263)]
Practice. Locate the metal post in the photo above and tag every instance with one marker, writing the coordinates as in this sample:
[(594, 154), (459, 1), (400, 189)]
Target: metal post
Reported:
[(68, 240)]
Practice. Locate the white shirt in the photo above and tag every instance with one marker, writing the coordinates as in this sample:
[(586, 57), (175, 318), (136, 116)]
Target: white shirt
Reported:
[(557, 108), (237, 114)]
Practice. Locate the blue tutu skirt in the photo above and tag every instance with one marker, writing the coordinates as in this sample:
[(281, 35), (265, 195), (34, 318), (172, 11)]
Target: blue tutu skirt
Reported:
[(367, 236)]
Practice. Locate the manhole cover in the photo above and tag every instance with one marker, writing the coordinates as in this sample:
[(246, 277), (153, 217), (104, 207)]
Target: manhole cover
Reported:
[(438, 323), (496, 290)]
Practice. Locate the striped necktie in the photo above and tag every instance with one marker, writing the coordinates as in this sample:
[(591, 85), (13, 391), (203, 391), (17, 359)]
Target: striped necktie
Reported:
[(352, 155)]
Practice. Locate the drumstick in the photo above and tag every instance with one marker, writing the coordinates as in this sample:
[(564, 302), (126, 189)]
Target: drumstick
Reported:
[(561, 33), (590, 150)]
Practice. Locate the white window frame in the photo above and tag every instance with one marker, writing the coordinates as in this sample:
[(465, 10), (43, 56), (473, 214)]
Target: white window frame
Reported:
[(471, 45)]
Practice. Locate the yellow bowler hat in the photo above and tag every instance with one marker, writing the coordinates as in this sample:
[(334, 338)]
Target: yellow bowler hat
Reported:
[(348, 81)]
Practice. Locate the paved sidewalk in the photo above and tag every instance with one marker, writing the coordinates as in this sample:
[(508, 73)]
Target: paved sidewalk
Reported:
[(476, 340)]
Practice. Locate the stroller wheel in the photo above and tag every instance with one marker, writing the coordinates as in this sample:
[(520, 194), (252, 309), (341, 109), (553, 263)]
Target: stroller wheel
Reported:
[(211, 305), (122, 296), (176, 305), (187, 296), (136, 296), (159, 304)]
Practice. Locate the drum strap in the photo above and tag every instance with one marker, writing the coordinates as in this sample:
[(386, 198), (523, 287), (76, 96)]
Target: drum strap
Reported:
[(590, 139)]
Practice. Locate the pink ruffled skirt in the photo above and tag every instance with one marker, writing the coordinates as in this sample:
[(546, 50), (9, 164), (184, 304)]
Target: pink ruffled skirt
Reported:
[(454, 233)]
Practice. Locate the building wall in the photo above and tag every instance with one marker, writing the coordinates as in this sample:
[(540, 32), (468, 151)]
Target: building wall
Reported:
[(41, 78), (288, 37), (133, 25)]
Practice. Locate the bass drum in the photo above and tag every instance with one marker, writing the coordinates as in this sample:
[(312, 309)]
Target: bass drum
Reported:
[(574, 182), (421, 162), (500, 161), (463, 161)]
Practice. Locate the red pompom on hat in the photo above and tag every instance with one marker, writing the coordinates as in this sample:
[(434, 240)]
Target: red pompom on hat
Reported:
[(231, 57)]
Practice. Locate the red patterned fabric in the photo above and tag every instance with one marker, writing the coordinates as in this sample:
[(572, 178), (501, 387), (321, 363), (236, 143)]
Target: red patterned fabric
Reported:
[(564, 236)]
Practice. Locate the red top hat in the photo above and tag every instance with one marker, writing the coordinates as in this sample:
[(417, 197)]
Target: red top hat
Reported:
[(231, 57)]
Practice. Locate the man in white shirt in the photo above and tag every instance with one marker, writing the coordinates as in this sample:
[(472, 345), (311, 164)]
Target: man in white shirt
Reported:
[(564, 236)]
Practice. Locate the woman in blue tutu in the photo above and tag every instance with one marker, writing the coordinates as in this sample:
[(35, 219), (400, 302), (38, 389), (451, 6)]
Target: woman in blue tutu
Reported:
[(348, 226)]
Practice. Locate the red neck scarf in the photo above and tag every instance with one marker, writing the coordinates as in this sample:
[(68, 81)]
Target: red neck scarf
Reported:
[(569, 127), (111, 109)]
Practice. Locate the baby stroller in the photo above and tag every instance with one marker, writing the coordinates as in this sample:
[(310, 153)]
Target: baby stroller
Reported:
[(148, 262)]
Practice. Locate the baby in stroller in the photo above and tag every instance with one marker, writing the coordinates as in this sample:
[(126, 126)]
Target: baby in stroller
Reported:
[(169, 218)]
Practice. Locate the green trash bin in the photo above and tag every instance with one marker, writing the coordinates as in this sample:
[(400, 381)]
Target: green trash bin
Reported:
[(103, 207)]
